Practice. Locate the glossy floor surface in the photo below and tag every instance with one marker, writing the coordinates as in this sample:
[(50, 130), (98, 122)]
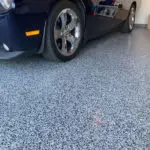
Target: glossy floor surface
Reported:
[(98, 101)]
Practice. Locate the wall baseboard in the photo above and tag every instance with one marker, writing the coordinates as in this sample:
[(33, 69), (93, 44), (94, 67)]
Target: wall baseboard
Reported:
[(141, 25)]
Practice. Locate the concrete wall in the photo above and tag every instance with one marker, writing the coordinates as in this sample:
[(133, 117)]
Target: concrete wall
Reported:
[(143, 12)]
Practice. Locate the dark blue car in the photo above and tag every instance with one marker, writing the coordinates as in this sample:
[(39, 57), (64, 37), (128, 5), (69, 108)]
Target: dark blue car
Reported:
[(58, 28)]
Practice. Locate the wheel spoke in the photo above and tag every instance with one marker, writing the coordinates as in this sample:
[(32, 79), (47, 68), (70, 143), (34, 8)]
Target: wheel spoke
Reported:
[(72, 24), (73, 41), (63, 18), (64, 45), (57, 33), (70, 39)]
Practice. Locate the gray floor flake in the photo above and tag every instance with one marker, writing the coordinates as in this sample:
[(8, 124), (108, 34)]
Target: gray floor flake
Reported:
[(98, 101)]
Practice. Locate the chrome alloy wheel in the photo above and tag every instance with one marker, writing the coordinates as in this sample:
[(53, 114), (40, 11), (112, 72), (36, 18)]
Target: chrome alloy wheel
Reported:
[(132, 18), (67, 32)]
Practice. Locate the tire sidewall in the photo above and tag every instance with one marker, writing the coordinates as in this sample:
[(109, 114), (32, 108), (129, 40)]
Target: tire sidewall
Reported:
[(50, 41)]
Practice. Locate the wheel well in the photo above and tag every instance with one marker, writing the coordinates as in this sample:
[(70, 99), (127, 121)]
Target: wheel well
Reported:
[(134, 3), (78, 2), (81, 6)]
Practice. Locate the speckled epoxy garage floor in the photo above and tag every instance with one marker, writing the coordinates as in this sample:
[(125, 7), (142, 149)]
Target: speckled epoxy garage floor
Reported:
[(98, 101)]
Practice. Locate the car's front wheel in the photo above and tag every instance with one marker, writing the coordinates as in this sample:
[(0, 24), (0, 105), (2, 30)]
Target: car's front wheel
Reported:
[(64, 32)]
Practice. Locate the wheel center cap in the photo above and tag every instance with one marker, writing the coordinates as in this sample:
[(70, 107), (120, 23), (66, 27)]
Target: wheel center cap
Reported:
[(65, 33)]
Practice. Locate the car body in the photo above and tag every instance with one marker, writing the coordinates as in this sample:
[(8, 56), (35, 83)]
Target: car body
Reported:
[(23, 26)]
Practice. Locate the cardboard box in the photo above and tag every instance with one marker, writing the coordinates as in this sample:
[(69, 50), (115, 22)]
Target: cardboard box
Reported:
[(149, 22)]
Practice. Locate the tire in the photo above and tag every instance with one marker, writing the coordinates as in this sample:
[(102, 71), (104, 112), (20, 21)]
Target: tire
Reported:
[(128, 26), (62, 40)]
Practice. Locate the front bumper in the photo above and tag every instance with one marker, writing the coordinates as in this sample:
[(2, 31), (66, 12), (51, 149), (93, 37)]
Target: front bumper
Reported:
[(9, 55), (7, 36), (12, 34)]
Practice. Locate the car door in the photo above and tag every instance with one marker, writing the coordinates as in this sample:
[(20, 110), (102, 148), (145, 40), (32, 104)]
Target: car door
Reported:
[(104, 15)]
